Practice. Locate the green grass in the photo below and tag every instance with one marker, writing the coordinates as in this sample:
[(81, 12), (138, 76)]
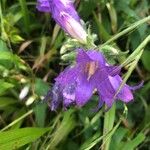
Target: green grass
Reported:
[(33, 51)]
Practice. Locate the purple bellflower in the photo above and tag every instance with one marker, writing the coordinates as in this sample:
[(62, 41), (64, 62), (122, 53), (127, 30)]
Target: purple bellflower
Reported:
[(64, 13), (91, 73)]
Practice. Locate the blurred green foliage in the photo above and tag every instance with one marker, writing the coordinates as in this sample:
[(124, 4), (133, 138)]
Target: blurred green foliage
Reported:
[(30, 57)]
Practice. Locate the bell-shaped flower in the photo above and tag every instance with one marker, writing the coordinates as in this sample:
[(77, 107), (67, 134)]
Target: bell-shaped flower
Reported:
[(76, 84), (64, 13)]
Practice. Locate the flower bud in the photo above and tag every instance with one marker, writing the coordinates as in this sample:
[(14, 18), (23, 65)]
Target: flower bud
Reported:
[(75, 29), (30, 100), (24, 92), (64, 13)]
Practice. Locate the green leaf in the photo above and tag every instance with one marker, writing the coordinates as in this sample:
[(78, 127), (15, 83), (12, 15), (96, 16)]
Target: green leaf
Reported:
[(14, 139), (146, 60), (120, 133), (6, 55), (25, 14), (88, 144), (103, 34), (7, 58), (146, 120), (40, 114), (86, 7), (117, 138), (5, 86), (127, 30), (3, 46), (66, 126), (108, 125), (5, 101), (131, 145), (41, 87), (16, 38)]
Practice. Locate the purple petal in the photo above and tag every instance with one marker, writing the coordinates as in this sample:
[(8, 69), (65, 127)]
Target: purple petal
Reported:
[(90, 56), (137, 86), (69, 75), (106, 92), (84, 90), (82, 56), (43, 6), (105, 89), (59, 6), (96, 56), (56, 96), (100, 76), (113, 70), (69, 94), (74, 28), (75, 85), (64, 13), (125, 93)]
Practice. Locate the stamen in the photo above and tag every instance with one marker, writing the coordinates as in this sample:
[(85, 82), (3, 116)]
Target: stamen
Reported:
[(91, 68)]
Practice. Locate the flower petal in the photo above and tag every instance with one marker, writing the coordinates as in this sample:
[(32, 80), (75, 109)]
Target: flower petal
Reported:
[(69, 94), (64, 13), (136, 87), (82, 56), (56, 96), (69, 75), (90, 56), (96, 56), (113, 70), (104, 87), (66, 2), (84, 90), (106, 92), (43, 6), (125, 93), (71, 26)]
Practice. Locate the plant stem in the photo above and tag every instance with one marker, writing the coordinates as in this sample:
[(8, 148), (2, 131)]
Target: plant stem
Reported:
[(17, 120), (133, 26), (135, 56)]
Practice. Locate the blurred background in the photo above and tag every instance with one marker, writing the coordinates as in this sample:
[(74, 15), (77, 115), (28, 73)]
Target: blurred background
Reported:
[(30, 59)]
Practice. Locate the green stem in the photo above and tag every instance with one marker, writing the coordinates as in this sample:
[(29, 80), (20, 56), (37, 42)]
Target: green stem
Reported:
[(135, 56), (17, 120), (133, 26), (136, 51)]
